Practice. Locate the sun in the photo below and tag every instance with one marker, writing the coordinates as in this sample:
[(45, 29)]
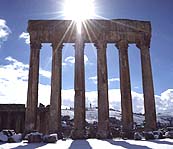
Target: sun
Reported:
[(79, 11)]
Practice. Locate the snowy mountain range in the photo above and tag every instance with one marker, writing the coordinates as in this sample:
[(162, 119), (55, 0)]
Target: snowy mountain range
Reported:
[(92, 115)]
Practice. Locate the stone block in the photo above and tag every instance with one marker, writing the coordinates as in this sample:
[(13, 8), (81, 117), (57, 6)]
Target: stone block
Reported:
[(52, 138), (35, 137), (103, 135), (115, 132), (158, 134), (78, 134), (169, 128), (8, 133), (137, 136), (3, 137), (91, 131), (15, 138), (127, 134), (149, 135), (169, 134)]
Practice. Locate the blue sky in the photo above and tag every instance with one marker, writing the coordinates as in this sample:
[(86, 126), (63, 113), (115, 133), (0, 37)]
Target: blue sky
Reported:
[(14, 51)]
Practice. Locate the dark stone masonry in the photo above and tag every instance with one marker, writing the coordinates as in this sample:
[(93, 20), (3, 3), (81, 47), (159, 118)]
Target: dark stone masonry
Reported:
[(12, 117)]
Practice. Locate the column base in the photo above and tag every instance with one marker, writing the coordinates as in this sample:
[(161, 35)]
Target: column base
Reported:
[(102, 134), (149, 129), (78, 134), (127, 134)]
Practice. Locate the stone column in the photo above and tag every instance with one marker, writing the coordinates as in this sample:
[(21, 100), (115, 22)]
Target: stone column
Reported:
[(79, 101), (102, 85), (33, 80), (126, 99), (55, 101), (148, 89)]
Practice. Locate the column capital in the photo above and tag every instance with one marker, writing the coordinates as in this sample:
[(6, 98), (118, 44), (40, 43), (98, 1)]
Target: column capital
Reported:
[(56, 45), (100, 44), (122, 44), (35, 45), (142, 45)]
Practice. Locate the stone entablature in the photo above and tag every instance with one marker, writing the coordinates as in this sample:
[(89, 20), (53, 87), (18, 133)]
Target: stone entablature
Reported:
[(47, 31)]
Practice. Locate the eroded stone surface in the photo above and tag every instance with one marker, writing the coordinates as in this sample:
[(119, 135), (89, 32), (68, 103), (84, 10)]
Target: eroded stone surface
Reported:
[(52, 138), (35, 137)]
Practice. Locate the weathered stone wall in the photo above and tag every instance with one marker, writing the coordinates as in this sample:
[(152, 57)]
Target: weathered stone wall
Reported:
[(12, 116), (43, 120)]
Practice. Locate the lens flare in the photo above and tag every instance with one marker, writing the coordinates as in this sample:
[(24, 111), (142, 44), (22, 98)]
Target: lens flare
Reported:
[(79, 11)]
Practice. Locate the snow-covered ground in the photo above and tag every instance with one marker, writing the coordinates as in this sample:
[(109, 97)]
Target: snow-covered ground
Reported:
[(94, 144)]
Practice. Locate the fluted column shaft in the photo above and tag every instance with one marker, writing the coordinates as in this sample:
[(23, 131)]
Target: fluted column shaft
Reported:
[(56, 83), (102, 85), (126, 99), (148, 89), (79, 101), (32, 95)]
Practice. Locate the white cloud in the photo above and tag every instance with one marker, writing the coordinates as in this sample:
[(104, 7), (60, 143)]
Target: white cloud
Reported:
[(71, 60), (13, 85), (164, 102), (85, 59), (13, 82), (45, 73), (113, 80), (93, 79), (136, 87), (64, 64), (4, 31), (25, 36)]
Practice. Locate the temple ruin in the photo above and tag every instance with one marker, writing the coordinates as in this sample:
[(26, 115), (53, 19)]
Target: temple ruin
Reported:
[(121, 32)]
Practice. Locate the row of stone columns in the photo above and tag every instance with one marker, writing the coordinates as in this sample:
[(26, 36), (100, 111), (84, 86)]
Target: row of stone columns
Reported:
[(79, 87)]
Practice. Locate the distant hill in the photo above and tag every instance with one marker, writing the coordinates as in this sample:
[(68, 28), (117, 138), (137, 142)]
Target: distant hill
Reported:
[(92, 115)]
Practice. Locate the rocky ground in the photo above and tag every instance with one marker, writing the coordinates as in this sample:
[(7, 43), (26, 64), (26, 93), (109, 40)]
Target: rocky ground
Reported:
[(162, 137)]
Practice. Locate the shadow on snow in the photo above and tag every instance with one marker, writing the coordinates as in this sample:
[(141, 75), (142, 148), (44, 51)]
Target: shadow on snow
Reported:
[(80, 144)]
